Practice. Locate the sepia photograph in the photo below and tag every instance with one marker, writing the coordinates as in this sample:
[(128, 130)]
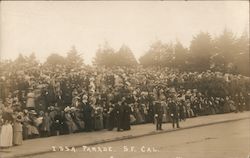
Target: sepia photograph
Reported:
[(124, 79)]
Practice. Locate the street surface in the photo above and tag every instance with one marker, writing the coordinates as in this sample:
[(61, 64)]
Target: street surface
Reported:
[(227, 140)]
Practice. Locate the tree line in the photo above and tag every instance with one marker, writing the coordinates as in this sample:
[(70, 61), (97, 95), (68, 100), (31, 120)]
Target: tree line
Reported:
[(225, 53)]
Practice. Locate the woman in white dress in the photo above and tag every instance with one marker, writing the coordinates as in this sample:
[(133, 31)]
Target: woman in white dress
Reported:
[(6, 135)]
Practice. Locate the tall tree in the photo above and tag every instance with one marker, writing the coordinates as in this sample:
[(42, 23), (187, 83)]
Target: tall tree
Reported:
[(74, 58), (20, 59), (32, 56), (125, 57), (55, 59), (159, 54), (105, 56), (201, 49), (225, 47), (32, 59), (242, 57), (180, 53)]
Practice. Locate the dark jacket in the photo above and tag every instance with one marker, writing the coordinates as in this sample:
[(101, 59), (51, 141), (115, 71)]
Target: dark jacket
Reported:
[(158, 109), (174, 109)]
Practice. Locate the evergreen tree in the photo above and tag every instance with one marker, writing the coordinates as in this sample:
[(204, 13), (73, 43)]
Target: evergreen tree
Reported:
[(226, 47), (159, 54), (55, 59), (180, 53), (201, 49), (105, 56), (242, 58), (125, 57), (20, 59), (73, 59)]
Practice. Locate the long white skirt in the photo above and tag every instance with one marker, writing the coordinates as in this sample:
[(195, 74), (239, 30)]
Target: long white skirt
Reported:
[(6, 136)]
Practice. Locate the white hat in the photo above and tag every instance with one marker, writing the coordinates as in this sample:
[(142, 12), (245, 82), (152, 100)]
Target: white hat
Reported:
[(84, 97), (72, 108), (32, 112), (67, 109)]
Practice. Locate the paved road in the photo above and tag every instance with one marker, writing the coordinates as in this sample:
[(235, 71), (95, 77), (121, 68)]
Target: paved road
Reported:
[(228, 140)]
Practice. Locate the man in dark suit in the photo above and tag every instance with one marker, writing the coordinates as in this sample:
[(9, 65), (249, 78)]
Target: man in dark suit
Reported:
[(87, 112), (158, 114), (111, 116), (174, 112), (126, 116), (119, 112)]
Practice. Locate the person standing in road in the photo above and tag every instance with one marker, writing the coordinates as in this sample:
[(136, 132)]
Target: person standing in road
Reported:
[(174, 112), (158, 114)]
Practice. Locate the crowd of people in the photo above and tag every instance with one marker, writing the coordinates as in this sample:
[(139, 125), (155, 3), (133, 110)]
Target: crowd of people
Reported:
[(42, 101)]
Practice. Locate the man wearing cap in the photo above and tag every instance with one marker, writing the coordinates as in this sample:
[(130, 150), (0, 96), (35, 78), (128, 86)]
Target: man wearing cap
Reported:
[(158, 114), (174, 112)]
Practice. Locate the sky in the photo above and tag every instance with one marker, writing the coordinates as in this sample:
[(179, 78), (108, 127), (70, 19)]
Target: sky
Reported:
[(46, 27)]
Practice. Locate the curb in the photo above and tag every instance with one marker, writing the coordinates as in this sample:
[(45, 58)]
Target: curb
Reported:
[(125, 137)]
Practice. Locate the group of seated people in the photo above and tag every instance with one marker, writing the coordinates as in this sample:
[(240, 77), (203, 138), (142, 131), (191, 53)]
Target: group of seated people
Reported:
[(43, 102)]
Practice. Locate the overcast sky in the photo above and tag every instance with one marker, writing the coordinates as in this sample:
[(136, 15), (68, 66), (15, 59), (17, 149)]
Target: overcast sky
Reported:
[(46, 27)]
